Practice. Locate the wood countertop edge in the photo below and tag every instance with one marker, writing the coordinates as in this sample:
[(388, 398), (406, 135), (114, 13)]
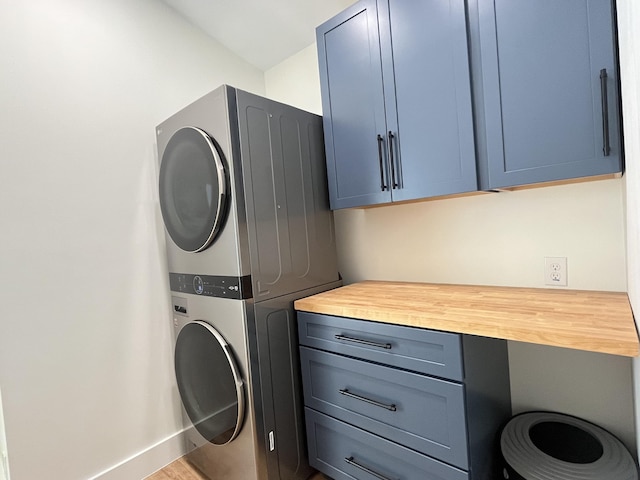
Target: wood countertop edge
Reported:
[(587, 320)]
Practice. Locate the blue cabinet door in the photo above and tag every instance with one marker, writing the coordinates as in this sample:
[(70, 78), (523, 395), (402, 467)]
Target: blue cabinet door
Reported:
[(428, 97), (353, 107), (548, 113), (396, 99)]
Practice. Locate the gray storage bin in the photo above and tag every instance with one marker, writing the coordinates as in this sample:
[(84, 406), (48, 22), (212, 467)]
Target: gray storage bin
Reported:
[(553, 446)]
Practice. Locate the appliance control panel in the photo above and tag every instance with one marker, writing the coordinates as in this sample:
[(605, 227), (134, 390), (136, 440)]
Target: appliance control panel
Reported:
[(237, 288)]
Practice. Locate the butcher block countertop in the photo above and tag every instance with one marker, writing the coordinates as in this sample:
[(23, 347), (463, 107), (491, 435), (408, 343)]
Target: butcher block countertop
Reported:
[(578, 319)]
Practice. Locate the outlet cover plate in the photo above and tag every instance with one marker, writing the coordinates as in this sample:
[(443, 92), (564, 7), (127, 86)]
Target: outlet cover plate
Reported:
[(555, 271)]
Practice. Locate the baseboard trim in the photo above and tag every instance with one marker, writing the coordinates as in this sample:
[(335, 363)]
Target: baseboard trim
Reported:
[(148, 461)]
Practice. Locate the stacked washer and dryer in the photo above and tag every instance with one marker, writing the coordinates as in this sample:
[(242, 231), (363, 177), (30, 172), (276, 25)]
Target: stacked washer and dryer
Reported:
[(244, 199)]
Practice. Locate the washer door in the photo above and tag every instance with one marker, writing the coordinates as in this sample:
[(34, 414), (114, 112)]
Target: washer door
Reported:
[(209, 382), (193, 189)]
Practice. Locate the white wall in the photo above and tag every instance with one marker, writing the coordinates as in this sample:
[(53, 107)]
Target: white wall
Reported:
[(85, 354), (629, 39), (296, 81), (497, 239)]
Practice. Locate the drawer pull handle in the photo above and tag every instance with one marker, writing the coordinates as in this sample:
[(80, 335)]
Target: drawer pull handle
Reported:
[(606, 148), (351, 461), (347, 393), (386, 346)]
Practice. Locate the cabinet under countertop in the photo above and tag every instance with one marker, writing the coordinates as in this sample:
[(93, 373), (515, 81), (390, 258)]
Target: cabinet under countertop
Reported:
[(580, 319)]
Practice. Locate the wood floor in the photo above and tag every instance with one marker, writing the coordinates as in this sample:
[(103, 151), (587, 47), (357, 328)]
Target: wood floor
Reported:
[(182, 470), (178, 470)]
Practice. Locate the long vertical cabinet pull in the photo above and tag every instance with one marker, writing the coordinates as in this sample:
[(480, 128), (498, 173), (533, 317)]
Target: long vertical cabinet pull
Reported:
[(383, 187), (606, 148), (394, 184)]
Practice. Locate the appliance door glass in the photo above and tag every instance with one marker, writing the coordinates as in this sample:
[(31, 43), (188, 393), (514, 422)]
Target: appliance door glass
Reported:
[(209, 382), (193, 189)]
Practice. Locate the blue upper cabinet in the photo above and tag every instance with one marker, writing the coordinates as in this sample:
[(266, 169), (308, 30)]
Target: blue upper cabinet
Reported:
[(396, 96), (549, 90), (353, 107)]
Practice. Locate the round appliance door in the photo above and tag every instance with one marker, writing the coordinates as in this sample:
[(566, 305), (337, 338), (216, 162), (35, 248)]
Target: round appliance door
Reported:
[(193, 189), (209, 382)]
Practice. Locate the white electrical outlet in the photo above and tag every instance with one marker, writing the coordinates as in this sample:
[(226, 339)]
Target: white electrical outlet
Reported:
[(555, 271)]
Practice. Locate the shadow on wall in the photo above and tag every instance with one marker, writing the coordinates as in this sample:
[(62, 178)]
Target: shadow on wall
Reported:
[(4, 457)]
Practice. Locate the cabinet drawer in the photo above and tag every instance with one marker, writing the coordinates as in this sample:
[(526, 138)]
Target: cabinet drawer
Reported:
[(342, 452), (425, 351), (421, 412)]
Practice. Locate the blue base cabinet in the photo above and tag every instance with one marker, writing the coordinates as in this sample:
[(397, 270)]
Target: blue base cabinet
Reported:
[(388, 401), (437, 97), (344, 452)]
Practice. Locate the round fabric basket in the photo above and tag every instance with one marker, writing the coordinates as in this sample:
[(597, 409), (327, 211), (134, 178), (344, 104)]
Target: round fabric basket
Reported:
[(553, 446)]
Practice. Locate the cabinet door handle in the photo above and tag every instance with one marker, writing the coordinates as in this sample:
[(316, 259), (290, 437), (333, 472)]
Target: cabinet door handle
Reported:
[(383, 187), (394, 184), (386, 346), (351, 461), (606, 148), (347, 393)]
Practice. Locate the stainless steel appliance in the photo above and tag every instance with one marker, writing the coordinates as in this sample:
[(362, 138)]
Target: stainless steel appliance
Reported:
[(244, 201)]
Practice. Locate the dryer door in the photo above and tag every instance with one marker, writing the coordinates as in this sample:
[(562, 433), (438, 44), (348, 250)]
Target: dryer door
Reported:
[(209, 382), (193, 189)]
